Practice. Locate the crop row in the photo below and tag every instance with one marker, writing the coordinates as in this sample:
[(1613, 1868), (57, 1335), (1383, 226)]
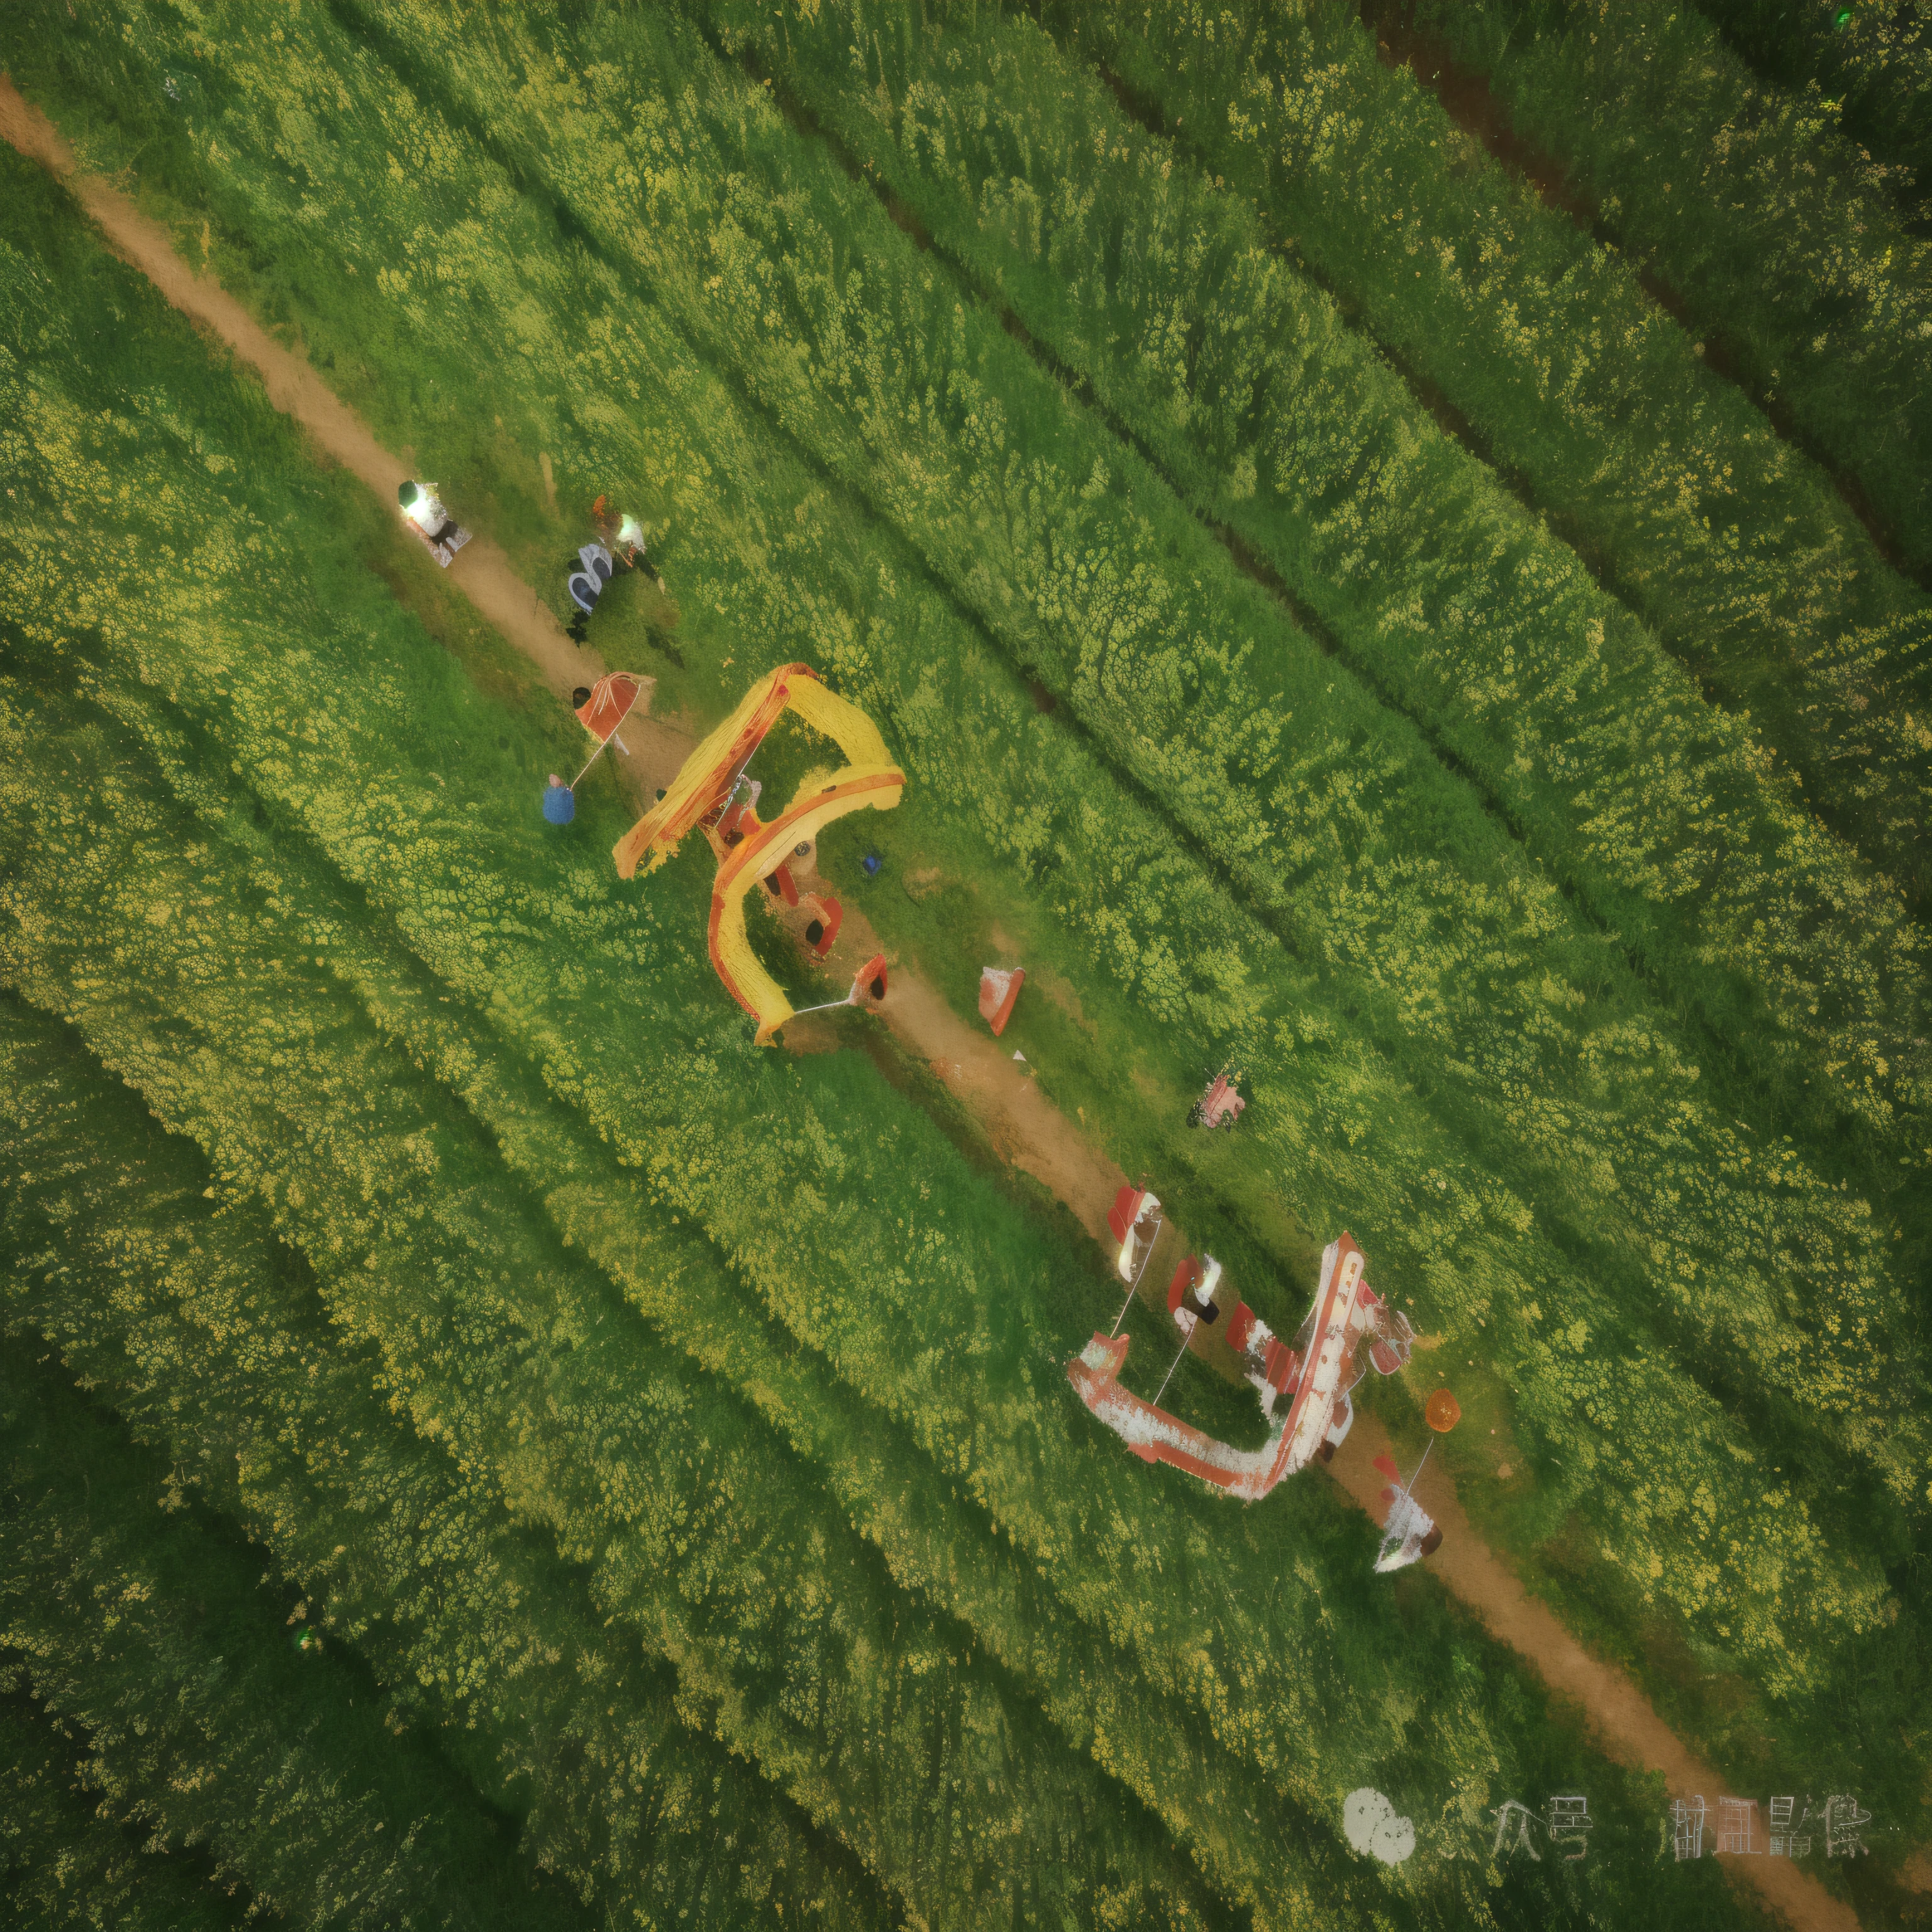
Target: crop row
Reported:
[(699, 1532), (989, 1272), (1019, 164), (63, 1866), (363, 791), (1871, 73), (1271, 417), (154, 1639), (1159, 1751), (1646, 1382), (320, 1403), (1779, 235), (1129, 1724), (387, 1158), (143, 1333), (1342, 1128), (209, 1332), (1331, 813), (1329, 809), (1734, 548)]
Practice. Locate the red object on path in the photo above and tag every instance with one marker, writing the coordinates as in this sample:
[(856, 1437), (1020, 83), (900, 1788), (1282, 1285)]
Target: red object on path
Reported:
[(1125, 1211), (828, 915), (1315, 1373), (1155, 1436), (608, 705), (998, 992), (1185, 1277)]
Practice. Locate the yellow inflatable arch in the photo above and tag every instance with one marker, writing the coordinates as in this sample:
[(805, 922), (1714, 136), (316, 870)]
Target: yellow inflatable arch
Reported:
[(703, 789)]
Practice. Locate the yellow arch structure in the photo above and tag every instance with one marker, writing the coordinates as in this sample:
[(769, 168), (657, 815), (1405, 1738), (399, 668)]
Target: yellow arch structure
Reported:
[(705, 784)]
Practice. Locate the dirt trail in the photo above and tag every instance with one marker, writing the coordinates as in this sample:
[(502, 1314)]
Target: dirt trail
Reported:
[(1023, 1126), (1621, 1716), (1026, 1129), (482, 570)]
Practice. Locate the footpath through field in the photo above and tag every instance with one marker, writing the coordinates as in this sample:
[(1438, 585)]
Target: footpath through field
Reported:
[(1023, 1126), (486, 577)]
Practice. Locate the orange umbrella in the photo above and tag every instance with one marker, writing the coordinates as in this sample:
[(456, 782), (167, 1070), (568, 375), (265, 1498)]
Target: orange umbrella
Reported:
[(606, 705), (1443, 1412)]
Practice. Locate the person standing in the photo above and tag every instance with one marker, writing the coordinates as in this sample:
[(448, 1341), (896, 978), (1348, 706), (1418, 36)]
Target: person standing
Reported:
[(624, 538), (423, 507)]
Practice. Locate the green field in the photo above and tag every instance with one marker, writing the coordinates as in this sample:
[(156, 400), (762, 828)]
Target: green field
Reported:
[(1333, 619)]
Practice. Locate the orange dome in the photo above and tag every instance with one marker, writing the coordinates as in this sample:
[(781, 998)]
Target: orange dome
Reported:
[(1443, 1412)]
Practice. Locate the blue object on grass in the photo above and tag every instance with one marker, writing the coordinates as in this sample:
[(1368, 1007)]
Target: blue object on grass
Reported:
[(559, 801), (871, 861)]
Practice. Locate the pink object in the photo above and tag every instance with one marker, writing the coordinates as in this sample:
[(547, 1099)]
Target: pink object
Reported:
[(1220, 1103), (998, 992)]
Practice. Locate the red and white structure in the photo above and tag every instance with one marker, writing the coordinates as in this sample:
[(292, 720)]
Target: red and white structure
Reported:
[(998, 989), (1190, 1294), (1409, 1532), (1313, 1376), (1135, 1221)]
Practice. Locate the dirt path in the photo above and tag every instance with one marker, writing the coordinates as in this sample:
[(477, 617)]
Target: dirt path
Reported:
[(482, 570), (1621, 1716), (1023, 1126)]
